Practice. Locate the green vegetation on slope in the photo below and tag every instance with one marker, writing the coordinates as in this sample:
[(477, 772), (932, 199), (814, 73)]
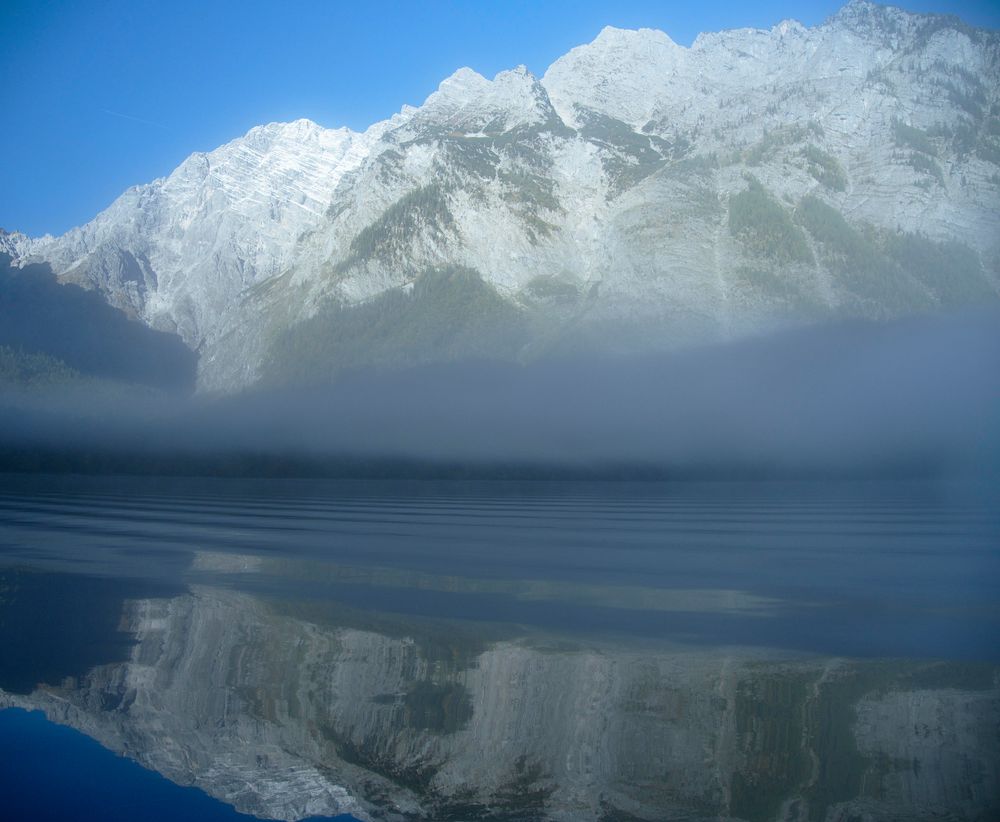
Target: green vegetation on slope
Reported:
[(906, 136), (28, 378), (899, 270), (765, 227), (988, 149), (385, 239), (950, 270), (767, 147), (926, 165), (79, 328), (552, 288), (855, 256), (33, 369), (825, 168), (449, 314), (921, 149), (628, 156), (531, 195)]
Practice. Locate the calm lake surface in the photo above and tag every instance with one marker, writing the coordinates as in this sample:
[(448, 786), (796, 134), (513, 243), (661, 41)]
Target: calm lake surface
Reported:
[(517, 651)]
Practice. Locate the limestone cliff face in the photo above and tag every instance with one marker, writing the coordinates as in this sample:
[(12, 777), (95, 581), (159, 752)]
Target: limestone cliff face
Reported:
[(640, 194), (284, 717)]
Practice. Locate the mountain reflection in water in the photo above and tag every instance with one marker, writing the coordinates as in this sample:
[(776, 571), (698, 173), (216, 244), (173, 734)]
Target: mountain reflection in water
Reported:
[(568, 652)]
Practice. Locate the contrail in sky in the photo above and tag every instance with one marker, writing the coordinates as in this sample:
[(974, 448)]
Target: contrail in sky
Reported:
[(130, 117)]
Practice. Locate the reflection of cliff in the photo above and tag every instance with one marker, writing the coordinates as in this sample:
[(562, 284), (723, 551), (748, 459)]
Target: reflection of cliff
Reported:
[(287, 718)]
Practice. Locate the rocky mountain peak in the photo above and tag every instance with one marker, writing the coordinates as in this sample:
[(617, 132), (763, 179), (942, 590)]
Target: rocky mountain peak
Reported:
[(619, 74), (790, 174), (611, 38), (13, 243), (865, 16), (467, 102)]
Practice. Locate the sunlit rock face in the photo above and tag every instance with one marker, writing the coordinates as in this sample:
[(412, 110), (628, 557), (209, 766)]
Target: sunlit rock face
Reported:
[(640, 194), (286, 714)]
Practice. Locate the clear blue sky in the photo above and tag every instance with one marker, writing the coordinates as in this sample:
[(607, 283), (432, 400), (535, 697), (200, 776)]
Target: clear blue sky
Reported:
[(101, 95)]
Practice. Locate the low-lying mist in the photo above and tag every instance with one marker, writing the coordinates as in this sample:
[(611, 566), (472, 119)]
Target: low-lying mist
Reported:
[(920, 395)]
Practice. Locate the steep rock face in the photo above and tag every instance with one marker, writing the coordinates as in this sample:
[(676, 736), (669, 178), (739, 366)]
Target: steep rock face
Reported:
[(14, 244), (176, 251), (640, 194)]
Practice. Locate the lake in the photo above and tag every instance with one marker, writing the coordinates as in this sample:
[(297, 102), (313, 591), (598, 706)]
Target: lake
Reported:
[(501, 650)]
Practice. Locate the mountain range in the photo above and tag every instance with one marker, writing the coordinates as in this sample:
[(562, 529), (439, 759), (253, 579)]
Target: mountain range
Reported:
[(639, 196)]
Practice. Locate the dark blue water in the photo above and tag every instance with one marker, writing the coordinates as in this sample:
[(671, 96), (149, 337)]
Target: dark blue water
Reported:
[(51, 772), (896, 569)]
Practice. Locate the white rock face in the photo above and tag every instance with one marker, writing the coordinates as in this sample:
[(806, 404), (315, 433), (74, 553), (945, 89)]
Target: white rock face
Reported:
[(14, 245), (217, 225), (624, 74), (597, 203)]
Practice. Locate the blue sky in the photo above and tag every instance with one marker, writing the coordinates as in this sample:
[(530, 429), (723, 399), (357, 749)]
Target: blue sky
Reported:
[(105, 94)]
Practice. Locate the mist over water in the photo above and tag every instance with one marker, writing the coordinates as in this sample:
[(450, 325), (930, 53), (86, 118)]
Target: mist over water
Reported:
[(917, 395), (729, 647)]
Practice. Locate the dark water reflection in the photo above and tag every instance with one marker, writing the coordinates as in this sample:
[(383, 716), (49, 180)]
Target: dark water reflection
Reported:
[(544, 651)]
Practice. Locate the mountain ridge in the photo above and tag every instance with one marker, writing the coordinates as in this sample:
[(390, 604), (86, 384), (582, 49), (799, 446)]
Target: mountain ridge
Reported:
[(640, 191)]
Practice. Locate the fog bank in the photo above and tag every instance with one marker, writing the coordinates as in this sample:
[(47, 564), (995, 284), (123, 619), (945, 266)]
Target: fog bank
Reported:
[(920, 394)]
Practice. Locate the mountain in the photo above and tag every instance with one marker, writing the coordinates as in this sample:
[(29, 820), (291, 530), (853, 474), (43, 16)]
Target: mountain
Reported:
[(640, 195)]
